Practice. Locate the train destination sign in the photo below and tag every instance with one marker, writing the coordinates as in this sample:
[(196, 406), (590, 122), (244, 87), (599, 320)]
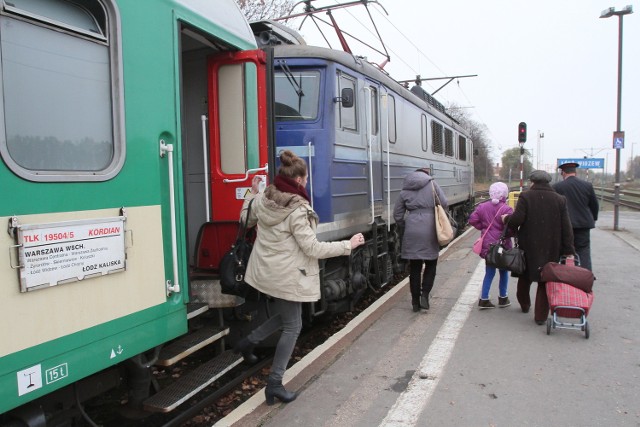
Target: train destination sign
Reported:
[(57, 253)]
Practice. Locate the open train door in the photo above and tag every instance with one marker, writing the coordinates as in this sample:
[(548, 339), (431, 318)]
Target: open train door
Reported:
[(238, 139)]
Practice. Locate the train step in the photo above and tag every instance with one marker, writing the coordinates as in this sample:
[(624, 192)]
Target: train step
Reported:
[(187, 386), (196, 308), (190, 343)]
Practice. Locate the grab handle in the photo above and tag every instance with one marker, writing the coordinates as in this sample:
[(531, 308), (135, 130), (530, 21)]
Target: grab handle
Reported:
[(246, 174)]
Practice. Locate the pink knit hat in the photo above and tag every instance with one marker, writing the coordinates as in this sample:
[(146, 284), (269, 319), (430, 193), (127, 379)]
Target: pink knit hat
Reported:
[(498, 192)]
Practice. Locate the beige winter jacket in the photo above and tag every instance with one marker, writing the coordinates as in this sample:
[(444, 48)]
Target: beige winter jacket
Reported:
[(284, 260)]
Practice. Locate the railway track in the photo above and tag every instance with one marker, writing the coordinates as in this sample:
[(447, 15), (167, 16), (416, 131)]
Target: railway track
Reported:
[(627, 193), (626, 202)]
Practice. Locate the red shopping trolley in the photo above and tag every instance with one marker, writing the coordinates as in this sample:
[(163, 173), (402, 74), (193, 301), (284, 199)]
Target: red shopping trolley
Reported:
[(570, 294)]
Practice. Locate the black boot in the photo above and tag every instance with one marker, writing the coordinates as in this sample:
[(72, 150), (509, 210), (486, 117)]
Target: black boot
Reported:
[(424, 301), (245, 347), (276, 389)]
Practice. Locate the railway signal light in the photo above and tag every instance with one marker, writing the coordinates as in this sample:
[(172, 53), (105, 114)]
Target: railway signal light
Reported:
[(522, 132)]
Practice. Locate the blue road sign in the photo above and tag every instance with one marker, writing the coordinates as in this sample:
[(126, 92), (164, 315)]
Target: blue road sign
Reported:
[(618, 140), (591, 163)]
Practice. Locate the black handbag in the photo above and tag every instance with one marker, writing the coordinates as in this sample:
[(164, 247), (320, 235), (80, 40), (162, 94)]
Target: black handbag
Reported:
[(506, 259), (233, 265)]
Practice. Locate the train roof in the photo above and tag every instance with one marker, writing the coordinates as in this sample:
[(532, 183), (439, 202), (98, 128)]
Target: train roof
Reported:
[(224, 14), (416, 96)]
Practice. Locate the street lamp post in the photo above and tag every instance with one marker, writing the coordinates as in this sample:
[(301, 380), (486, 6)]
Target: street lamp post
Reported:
[(539, 158), (607, 13)]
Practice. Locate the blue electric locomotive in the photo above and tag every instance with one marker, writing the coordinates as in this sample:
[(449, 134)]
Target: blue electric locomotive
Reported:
[(361, 132)]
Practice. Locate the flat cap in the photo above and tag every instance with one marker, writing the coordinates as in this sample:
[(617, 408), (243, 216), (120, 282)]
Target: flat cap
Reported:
[(539, 176), (569, 165)]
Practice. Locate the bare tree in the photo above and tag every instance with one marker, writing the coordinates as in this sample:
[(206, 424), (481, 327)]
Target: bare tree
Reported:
[(482, 162), (257, 10), (511, 164)]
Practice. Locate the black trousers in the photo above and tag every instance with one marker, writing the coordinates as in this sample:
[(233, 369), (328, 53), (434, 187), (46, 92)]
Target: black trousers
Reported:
[(582, 243), (541, 307), (421, 282)]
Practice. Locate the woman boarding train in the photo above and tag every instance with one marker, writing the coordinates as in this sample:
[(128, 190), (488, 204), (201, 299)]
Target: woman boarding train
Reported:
[(284, 263)]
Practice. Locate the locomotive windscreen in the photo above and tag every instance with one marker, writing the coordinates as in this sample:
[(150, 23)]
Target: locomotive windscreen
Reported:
[(296, 93)]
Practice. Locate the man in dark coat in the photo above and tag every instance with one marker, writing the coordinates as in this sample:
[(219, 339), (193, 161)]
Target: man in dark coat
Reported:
[(583, 209), (544, 233)]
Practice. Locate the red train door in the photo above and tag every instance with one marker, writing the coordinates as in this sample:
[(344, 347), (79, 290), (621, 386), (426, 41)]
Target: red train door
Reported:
[(237, 143)]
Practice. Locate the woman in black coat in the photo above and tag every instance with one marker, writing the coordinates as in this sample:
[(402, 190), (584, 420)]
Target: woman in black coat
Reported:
[(544, 233)]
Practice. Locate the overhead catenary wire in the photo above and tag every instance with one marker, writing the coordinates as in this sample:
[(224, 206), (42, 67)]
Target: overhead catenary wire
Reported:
[(377, 35), (420, 52), (399, 58)]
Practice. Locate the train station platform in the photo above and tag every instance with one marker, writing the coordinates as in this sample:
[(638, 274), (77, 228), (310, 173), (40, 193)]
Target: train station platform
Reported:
[(456, 365)]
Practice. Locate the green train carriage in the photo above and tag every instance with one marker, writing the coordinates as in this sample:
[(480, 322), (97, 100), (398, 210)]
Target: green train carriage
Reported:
[(125, 126)]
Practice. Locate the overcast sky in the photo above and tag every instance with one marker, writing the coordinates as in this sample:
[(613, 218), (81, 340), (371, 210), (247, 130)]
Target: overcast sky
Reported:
[(550, 63)]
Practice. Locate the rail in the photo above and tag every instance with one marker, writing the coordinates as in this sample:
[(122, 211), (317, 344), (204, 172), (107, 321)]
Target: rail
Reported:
[(631, 204), (623, 192)]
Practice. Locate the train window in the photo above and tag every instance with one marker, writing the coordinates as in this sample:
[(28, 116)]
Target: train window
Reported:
[(297, 94), (437, 145), (62, 117), (462, 147), (237, 142), (374, 110), (89, 19), (423, 120), (392, 119), (348, 117), (448, 142)]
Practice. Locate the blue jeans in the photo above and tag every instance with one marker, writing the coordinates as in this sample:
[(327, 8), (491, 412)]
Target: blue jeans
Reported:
[(489, 273)]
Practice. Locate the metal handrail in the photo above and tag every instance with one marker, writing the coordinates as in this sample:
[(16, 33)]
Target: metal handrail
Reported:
[(168, 149), (207, 184), (246, 174), (310, 150)]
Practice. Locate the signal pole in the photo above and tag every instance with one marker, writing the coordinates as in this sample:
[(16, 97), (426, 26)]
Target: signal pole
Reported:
[(522, 138)]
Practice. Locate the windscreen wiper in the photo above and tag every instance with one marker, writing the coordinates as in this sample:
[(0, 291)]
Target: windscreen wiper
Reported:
[(292, 80)]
